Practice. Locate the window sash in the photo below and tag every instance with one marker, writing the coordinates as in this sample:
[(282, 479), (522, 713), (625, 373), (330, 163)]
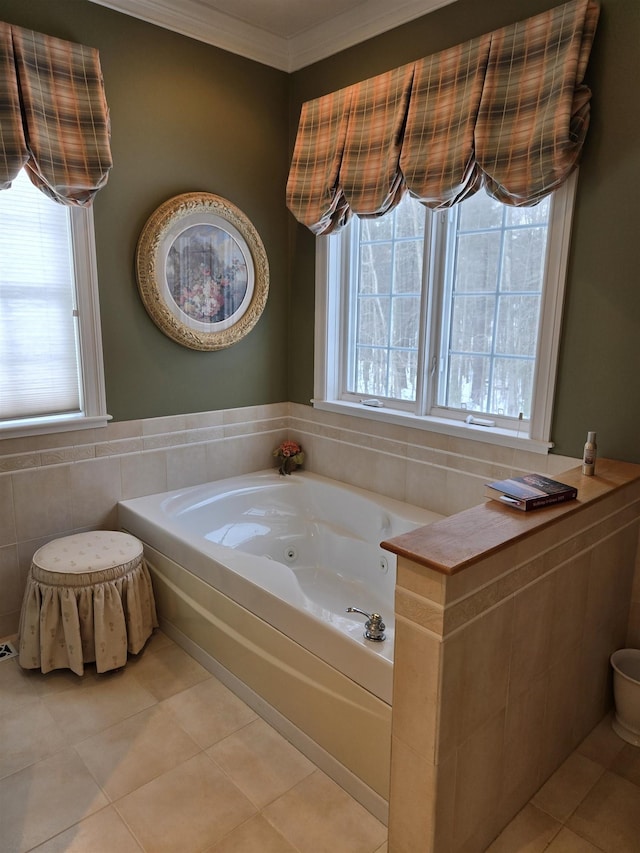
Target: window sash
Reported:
[(51, 367), (496, 295), (388, 300), (39, 366), (334, 259)]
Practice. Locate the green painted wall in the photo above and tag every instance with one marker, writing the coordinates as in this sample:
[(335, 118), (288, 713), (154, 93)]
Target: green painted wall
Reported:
[(185, 116), (599, 385)]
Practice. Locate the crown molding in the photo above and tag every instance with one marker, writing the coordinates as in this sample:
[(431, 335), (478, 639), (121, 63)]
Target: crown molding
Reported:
[(191, 18), (363, 22), (209, 26)]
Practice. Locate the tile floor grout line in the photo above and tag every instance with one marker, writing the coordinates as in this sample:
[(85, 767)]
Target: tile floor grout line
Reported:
[(596, 748), (130, 829), (248, 796)]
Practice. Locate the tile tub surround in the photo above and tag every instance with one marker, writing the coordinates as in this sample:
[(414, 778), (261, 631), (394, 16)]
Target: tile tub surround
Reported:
[(505, 622), (57, 484), (443, 473)]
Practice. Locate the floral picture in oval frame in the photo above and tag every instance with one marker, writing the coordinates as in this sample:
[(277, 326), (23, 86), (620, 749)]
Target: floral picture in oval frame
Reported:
[(202, 271)]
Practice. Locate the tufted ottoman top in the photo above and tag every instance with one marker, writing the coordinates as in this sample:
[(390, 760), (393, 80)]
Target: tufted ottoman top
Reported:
[(82, 553)]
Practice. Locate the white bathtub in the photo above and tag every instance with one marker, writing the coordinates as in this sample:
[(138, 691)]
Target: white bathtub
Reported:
[(259, 570)]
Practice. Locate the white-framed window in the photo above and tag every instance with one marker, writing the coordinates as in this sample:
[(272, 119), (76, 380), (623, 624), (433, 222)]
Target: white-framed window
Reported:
[(51, 370), (449, 320)]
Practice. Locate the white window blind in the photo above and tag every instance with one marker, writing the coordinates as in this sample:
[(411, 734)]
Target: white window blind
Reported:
[(40, 373)]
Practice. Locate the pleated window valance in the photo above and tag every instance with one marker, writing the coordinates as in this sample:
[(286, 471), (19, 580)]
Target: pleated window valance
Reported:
[(54, 119), (508, 110)]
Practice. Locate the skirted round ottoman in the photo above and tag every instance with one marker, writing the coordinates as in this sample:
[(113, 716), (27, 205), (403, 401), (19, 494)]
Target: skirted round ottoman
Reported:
[(88, 598)]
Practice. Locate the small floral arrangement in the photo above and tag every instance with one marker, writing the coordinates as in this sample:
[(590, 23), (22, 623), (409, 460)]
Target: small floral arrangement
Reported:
[(289, 455)]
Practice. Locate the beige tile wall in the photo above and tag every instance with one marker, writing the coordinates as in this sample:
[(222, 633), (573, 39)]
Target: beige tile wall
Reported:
[(58, 484), (487, 706), (427, 469), (438, 472)]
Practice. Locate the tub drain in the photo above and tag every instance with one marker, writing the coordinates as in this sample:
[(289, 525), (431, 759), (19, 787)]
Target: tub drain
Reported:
[(290, 554)]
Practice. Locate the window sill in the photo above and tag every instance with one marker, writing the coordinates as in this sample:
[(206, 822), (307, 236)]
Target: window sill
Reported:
[(458, 429), (45, 426)]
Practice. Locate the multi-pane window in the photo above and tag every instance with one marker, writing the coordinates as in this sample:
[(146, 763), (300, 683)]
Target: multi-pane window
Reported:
[(492, 300), (50, 359), (448, 314), (385, 304)]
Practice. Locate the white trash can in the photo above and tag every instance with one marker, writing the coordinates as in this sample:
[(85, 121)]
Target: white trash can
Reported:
[(626, 692)]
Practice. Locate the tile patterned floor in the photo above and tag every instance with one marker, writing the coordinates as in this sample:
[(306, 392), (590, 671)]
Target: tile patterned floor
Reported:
[(160, 757), (590, 804)]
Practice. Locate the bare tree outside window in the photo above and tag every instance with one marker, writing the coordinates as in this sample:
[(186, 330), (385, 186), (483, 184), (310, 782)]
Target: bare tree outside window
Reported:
[(494, 290), (426, 317), (495, 269), (387, 303)]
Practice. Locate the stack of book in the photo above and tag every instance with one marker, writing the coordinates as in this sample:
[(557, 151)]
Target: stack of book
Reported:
[(531, 491)]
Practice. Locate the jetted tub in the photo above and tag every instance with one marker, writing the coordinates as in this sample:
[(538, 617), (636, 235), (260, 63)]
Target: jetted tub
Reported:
[(256, 574)]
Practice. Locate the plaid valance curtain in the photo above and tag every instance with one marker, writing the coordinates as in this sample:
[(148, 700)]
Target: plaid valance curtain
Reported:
[(54, 119), (508, 110)]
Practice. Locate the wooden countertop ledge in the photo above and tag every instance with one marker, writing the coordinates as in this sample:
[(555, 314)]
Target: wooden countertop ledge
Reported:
[(457, 542)]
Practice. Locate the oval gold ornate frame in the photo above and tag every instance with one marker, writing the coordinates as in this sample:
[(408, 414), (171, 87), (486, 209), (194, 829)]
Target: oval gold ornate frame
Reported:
[(170, 220)]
